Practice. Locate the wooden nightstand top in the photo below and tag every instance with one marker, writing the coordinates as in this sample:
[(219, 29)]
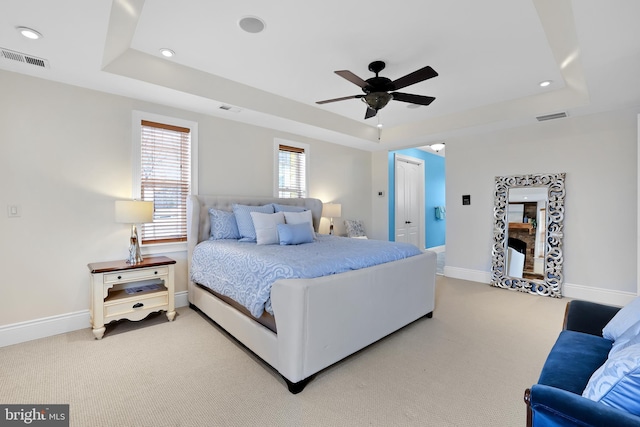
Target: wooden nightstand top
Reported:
[(150, 261)]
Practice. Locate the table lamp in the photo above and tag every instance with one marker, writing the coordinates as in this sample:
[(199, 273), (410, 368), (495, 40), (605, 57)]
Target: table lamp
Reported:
[(331, 210), (134, 212)]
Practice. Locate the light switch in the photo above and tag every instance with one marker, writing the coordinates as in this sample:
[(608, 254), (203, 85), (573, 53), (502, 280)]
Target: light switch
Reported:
[(13, 211)]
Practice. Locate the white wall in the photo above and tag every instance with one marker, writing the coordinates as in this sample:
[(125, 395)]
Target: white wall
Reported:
[(65, 157), (598, 154)]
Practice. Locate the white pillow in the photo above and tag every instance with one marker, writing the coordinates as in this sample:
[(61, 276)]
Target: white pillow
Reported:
[(266, 226), (623, 320), (300, 218)]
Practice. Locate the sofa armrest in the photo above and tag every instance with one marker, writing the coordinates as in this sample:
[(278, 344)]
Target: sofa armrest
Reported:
[(588, 317), (552, 406)]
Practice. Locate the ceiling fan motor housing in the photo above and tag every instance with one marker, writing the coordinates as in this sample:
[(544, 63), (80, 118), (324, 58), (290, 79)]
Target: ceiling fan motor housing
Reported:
[(378, 84)]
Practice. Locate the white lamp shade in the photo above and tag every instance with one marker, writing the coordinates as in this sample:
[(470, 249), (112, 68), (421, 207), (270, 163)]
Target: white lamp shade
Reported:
[(331, 210), (134, 211)]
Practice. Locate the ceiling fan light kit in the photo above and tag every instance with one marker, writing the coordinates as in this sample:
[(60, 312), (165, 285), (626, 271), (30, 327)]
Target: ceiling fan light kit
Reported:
[(378, 91)]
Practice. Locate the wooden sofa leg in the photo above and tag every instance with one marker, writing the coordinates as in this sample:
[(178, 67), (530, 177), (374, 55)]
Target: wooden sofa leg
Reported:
[(527, 400), (296, 388)]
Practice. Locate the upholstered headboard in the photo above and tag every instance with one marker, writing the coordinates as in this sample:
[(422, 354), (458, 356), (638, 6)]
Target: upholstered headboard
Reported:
[(198, 223)]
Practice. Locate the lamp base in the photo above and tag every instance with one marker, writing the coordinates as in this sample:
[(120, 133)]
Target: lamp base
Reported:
[(135, 257)]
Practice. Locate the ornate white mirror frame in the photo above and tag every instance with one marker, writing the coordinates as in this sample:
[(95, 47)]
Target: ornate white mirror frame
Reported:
[(551, 285)]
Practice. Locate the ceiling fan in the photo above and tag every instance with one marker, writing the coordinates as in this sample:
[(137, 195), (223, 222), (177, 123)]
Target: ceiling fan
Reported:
[(378, 91)]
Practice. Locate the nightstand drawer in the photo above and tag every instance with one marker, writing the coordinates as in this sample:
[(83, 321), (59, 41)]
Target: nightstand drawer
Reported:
[(140, 274), (140, 303)]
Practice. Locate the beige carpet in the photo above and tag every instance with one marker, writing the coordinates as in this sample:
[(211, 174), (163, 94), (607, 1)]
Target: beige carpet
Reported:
[(467, 366)]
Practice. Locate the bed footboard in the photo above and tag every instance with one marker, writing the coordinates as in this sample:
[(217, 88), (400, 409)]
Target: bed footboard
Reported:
[(324, 320)]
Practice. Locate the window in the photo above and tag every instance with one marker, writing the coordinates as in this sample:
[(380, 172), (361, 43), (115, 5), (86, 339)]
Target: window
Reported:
[(163, 174), (292, 174)]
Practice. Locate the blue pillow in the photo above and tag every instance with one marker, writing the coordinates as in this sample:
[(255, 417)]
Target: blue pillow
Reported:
[(630, 337), (245, 222), (295, 234), (288, 208), (617, 382), (223, 225), (623, 320)]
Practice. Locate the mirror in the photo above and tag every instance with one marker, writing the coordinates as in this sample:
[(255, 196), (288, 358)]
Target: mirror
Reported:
[(528, 229)]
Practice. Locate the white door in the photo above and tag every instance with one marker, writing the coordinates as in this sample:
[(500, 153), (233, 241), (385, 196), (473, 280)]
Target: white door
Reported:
[(409, 210)]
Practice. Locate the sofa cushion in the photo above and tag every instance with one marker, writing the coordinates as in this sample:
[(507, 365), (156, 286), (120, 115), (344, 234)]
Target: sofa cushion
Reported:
[(573, 359), (588, 317), (617, 382)]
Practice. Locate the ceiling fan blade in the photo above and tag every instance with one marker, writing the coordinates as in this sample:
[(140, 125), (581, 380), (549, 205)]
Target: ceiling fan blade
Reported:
[(346, 74), (339, 99), (415, 77), (370, 113), (412, 99)]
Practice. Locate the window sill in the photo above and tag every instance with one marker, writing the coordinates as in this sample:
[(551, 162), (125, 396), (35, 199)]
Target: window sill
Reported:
[(163, 248)]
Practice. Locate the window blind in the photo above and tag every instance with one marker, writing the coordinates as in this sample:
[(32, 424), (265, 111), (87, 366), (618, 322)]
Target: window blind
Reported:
[(291, 172), (166, 180)]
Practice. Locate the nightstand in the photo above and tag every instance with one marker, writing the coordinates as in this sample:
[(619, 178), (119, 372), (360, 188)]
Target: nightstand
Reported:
[(124, 291)]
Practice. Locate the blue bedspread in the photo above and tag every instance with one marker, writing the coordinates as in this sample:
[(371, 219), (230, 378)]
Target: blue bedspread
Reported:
[(245, 271)]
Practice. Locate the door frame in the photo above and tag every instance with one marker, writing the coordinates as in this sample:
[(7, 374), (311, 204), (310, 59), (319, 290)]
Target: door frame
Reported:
[(416, 161)]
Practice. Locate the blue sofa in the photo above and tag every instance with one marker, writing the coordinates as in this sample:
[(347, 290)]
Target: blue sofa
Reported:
[(556, 400)]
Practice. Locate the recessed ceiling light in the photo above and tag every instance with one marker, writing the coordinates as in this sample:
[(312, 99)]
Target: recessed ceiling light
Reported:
[(545, 83), (167, 52), (379, 125), (252, 24), (29, 33)]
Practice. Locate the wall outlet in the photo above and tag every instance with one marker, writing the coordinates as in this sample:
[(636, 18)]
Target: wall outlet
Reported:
[(380, 193)]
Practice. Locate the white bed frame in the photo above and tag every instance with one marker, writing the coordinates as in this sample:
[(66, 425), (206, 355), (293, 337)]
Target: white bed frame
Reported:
[(319, 321)]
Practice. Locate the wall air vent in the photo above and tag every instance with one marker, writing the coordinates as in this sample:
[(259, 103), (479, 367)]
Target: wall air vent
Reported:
[(230, 108), (25, 59), (553, 116)]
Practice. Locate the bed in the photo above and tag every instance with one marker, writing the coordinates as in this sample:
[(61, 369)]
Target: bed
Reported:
[(316, 322)]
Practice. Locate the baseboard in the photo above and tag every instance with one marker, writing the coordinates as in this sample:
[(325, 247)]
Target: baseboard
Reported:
[(467, 274), (569, 290), (48, 326), (600, 295)]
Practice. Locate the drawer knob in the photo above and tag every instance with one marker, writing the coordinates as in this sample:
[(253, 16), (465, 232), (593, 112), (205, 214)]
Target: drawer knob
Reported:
[(138, 305), (119, 277), (155, 272)]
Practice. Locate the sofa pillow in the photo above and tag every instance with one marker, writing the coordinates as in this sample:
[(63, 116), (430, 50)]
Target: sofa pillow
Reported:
[(245, 222), (300, 218), (617, 382), (266, 227), (355, 228), (629, 337), (223, 225), (295, 234), (623, 320), (288, 208)]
